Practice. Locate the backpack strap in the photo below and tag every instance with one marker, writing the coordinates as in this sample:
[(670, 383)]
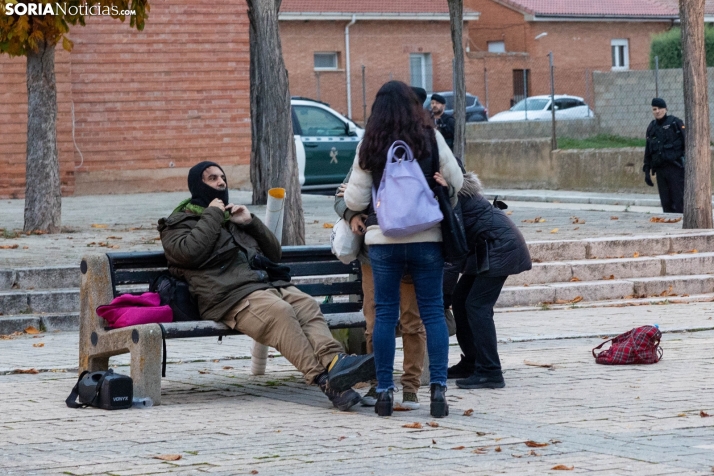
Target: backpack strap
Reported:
[(163, 359), (72, 399), (600, 346), (95, 399)]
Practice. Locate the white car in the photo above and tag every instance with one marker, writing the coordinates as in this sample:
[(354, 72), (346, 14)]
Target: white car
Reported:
[(325, 144), (538, 108)]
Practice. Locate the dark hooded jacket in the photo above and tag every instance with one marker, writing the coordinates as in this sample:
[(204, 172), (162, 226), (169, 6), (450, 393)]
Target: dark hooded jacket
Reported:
[(496, 246), (215, 258)]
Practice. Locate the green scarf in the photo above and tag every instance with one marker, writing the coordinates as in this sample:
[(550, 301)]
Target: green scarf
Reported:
[(186, 205)]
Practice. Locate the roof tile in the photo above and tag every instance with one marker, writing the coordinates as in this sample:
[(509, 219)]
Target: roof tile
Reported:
[(365, 6), (596, 8)]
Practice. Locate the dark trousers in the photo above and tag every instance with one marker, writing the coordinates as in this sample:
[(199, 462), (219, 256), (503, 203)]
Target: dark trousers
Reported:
[(670, 184), (474, 298)]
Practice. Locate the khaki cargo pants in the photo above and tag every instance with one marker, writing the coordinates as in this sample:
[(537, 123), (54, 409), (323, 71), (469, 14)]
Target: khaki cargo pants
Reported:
[(290, 321)]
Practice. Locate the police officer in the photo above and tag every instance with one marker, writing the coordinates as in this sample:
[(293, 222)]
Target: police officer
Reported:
[(445, 123), (664, 157)]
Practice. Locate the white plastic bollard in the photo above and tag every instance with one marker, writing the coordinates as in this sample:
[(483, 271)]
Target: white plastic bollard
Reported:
[(274, 221)]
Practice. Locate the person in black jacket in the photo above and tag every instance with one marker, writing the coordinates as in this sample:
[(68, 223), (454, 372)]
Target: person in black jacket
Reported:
[(445, 123), (497, 249), (664, 157)]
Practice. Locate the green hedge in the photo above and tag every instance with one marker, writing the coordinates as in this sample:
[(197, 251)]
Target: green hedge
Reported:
[(668, 46)]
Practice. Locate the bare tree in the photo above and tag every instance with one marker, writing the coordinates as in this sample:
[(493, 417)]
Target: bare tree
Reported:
[(272, 162), (698, 187), (456, 16)]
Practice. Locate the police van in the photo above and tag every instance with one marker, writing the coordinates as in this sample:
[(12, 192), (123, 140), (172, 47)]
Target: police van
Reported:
[(325, 144)]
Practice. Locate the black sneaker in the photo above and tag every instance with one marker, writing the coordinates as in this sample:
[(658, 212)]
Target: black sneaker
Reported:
[(347, 370), (463, 369), (343, 400), (480, 381)]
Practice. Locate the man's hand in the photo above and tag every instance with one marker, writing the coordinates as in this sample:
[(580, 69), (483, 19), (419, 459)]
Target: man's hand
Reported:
[(218, 203), (440, 179), (648, 179), (357, 224), (239, 214)]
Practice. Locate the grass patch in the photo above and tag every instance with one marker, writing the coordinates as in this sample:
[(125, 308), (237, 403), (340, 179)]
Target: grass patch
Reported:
[(600, 141)]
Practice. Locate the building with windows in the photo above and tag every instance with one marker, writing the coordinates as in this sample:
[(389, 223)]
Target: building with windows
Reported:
[(342, 51)]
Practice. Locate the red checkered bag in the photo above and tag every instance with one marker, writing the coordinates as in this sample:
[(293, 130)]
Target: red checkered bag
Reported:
[(637, 346)]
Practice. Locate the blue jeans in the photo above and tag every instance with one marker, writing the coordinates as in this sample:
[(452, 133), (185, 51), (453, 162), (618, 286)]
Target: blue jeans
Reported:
[(425, 263)]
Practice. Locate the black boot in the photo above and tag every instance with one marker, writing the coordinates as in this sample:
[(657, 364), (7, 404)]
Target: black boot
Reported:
[(385, 403), (439, 407), (342, 400), (463, 369)]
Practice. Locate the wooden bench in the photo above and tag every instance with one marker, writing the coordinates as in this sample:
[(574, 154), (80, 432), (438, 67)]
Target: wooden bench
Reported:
[(104, 276)]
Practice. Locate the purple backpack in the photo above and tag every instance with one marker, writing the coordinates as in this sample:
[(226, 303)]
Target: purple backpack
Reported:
[(404, 203)]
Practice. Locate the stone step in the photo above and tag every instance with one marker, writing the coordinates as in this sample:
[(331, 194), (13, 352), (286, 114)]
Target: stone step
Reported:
[(563, 293), (20, 301), (40, 278), (48, 322), (625, 268)]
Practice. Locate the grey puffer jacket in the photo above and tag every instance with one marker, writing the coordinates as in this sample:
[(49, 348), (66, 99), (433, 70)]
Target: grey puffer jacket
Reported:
[(496, 245)]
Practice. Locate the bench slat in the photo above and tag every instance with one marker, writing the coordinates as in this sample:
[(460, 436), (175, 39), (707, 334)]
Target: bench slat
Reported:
[(333, 289), (339, 307), (313, 268)]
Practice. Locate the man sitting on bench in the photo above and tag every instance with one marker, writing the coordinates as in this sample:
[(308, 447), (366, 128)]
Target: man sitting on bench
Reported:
[(228, 257)]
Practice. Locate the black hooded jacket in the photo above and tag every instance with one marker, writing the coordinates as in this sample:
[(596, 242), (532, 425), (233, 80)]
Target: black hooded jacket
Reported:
[(496, 245)]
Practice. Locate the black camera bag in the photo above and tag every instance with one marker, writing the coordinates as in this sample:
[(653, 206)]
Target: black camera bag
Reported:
[(103, 389)]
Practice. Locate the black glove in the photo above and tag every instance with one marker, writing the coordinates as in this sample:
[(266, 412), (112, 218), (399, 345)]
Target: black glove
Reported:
[(648, 179)]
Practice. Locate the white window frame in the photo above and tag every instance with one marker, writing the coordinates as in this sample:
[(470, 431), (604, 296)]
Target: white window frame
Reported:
[(325, 53), (625, 45), (496, 46), (427, 73)]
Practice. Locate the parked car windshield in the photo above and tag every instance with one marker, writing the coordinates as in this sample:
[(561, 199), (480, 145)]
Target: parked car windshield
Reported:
[(533, 104)]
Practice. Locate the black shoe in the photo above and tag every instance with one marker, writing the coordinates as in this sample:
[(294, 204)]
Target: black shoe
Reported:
[(463, 369), (343, 400), (347, 370), (385, 403), (439, 407), (480, 381)]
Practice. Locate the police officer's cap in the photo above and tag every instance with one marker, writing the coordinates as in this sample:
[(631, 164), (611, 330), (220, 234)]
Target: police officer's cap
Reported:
[(659, 102)]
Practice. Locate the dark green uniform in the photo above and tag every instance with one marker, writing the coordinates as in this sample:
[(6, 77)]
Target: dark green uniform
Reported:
[(664, 156)]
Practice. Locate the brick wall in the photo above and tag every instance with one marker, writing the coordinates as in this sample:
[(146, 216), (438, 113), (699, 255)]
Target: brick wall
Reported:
[(383, 47), (148, 105)]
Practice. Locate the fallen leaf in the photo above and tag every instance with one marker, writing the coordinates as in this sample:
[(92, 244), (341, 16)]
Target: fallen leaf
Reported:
[(8, 247), (537, 364), (614, 218), (682, 415), (25, 247), (168, 457), (574, 279), (481, 433), (555, 442), (509, 212), (542, 220), (114, 237), (469, 412), (399, 408), (554, 230), (576, 228), (341, 438), (535, 444), (433, 424), (39, 344), (433, 441), (99, 225), (576, 221), (607, 278), (533, 453), (693, 251), (255, 471), (227, 367), (458, 448), (635, 254), (25, 371), (416, 425), (562, 467), (497, 449), (480, 451), (665, 220), (703, 414), (327, 225), (535, 220), (203, 371), (516, 456), (31, 330)]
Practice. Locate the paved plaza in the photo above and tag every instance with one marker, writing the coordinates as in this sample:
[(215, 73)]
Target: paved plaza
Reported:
[(221, 420)]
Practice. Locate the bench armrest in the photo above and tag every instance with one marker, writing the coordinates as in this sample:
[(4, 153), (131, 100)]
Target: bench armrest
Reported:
[(95, 290)]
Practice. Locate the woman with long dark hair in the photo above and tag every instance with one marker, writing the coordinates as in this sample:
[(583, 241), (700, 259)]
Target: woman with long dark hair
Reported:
[(398, 115)]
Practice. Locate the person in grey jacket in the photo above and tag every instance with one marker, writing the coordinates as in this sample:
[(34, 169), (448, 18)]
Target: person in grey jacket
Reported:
[(497, 249)]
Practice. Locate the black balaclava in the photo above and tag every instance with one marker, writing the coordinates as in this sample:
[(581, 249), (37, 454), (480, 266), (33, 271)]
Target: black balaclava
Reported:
[(203, 194)]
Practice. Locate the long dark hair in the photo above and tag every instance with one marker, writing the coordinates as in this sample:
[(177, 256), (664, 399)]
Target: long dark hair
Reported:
[(396, 115)]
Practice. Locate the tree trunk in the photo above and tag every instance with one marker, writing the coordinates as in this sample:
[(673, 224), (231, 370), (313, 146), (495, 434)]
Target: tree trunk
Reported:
[(697, 169), (43, 198), (273, 162), (456, 15)]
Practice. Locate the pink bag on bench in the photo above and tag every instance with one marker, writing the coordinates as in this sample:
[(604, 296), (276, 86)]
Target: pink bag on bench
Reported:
[(130, 310)]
